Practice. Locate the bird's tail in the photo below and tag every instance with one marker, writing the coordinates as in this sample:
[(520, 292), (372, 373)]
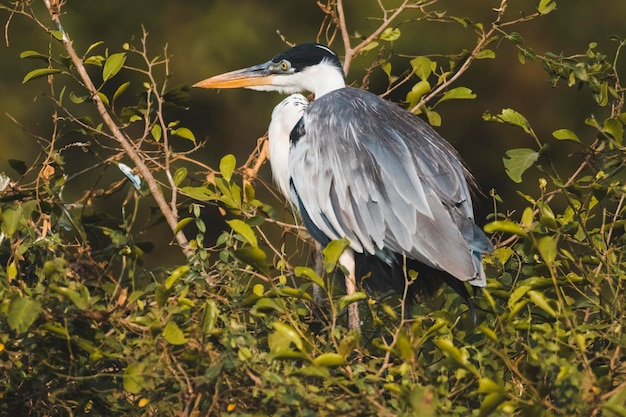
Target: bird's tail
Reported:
[(380, 276)]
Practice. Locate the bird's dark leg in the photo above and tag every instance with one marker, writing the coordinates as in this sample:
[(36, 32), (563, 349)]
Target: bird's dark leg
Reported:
[(347, 260), (319, 269)]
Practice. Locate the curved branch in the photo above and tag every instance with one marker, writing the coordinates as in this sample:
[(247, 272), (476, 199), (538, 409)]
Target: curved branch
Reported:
[(482, 43), (117, 134), (345, 36)]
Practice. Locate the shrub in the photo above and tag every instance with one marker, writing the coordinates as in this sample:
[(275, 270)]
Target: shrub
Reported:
[(242, 326)]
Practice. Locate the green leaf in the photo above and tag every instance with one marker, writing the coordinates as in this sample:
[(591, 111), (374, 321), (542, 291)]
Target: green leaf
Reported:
[(547, 249), (516, 295), (133, 379), (419, 89), (182, 223), (566, 134), (329, 360), (258, 290), (12, 271), (41, 72), (177, 274), (433, 117), (35, 55), (96, 60), (539, 299), (615, 128), (390, 34), (198, 193), (93, 46), (447, 347), (459, 93), (491, 402), (288, 333), (266, 304), (369, 47), (120, 90), (103, 97), (517, 161), (486, 54), (77, 99), (79, 298), (332, 252), (227, 166), (58, 35), (505, 226), (184, 133), (422, 66), (209, 317), (503, 254), (303, 271), (386, 67), (22, 313), (298, 293), (253, 256), (616, 404), (244, 230), (546, 6), (156, 132), (179, 175), (113, 65), (509, 116), (352, 298), (173, 334)]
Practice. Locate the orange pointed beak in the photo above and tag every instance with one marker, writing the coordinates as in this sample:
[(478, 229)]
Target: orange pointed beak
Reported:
[(255, 76)]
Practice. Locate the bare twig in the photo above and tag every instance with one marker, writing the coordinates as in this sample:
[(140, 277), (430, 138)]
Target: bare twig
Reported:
[(350, 51), (125, 142)]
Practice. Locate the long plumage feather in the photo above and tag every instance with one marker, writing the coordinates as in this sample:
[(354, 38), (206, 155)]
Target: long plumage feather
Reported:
[(388, 187)]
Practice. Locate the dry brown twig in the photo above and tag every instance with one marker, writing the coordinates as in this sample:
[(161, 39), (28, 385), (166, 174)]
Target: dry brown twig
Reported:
[(138, 158)]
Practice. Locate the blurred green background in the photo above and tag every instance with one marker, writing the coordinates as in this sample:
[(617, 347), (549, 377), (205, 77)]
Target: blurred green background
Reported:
[(205, 38)]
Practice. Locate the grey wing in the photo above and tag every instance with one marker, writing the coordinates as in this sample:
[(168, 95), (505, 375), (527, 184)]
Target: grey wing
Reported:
[(394, 186)]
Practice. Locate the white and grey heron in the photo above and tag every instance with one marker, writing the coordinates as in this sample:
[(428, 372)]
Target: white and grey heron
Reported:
[(356, 166)]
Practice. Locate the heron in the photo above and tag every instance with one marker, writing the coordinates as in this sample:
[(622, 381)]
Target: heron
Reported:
[(357, 166)]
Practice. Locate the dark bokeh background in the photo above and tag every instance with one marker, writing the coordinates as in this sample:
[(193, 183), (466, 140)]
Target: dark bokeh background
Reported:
[(209, 37)]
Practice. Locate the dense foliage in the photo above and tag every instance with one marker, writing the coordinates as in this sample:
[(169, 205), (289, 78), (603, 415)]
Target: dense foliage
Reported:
[(245, 325)]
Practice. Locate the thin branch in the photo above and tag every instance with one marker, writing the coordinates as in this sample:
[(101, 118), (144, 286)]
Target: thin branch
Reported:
[(118, 135), (345, 35), (484, 40)]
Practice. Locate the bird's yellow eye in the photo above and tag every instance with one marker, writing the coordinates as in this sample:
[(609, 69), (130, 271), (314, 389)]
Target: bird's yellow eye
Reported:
[(284, 65)]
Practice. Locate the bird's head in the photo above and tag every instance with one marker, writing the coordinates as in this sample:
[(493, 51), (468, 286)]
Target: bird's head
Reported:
[(305, 67)]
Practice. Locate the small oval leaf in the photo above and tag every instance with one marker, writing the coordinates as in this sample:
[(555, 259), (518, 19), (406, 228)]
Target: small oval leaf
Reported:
[(41, 72), (156, 132), (459, 93), (173, 334), (120, 90), (181, 224), (390, 34), (113, 65), (566, 134), (505, 226), (22, 313), (35, 55), (185, 133), (329, 359), (244, 230), (227, 166), (179, 175), (288, 333), (517, 161)]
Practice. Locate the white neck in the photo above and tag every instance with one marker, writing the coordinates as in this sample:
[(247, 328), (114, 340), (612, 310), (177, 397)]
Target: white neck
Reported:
[(322, 78), (318, 79)]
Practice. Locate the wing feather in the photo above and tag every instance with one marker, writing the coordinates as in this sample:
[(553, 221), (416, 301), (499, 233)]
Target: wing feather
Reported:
[(393, 186)]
